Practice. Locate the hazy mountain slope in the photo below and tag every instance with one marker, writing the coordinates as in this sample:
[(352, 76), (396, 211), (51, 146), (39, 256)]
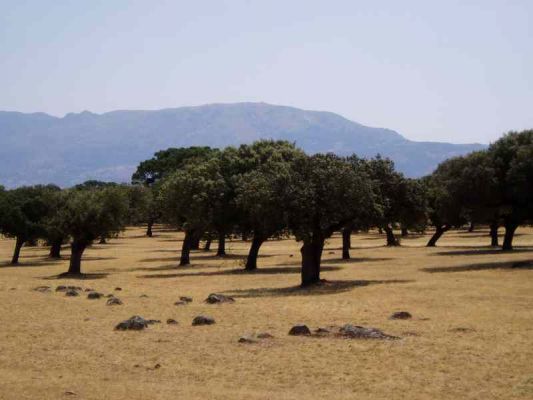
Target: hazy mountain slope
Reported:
[(38, 148)]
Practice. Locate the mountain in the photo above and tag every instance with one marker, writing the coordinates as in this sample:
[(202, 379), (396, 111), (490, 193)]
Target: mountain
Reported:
[(39, 148)]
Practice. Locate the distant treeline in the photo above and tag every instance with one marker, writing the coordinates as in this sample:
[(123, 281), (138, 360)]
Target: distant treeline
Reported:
[(271, 189)]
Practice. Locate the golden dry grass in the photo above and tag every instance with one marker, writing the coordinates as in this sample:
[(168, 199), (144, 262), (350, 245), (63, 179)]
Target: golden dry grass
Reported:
[(470, 338)]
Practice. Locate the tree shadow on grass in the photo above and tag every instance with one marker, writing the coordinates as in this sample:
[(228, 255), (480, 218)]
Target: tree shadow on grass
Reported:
[(482, 251), (239, 271), (172, 267), (324, 288), (201, 256), (514, 265), (45, 262), (353, 260), (82, 277)]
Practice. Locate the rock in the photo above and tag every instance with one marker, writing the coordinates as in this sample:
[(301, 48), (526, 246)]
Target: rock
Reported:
[(215, 298), (186, 299), (360, 332), (88, 290), (118, 288), (153, 321), (110, 295), (143, 296), (135, 323), (94, 295), (202, 320), (71, 293), (322, 331), (247, 339), (42, 289), (299, 330), (180, 303), (171, 321), (401, 315), (114, 301), (264, 335)]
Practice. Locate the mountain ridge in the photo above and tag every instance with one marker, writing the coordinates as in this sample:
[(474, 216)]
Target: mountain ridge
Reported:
[(41, 148)]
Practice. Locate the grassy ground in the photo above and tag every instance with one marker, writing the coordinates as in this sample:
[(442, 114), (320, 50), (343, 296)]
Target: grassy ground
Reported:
[(471, 336)]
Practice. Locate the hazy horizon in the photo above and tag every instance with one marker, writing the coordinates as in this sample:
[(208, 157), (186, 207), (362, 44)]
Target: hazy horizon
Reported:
[(455, 72)]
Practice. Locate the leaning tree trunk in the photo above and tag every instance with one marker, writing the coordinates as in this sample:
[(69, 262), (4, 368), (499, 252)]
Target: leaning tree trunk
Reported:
[(55, 248), (207, 246), (16, 254), (510, 229), (76, 252), (221, 251), (251, 261), (311, 256), (195, 241), (494, 234), (439, 231), (149, 232), (391, 239), (186, 248), (346, 243)]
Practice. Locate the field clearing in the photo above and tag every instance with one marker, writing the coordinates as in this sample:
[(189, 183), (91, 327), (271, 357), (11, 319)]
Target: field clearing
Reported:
[(471, 336)]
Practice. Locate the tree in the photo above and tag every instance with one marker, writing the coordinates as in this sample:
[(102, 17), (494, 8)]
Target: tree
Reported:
[(187, 198), (87, 215), (512, 158), (22, 212), (53, 233), (324, 194)]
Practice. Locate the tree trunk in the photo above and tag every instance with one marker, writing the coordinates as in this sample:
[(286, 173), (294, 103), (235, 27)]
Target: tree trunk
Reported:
[(102, 240), (471, 227), (391, 239), (405, 232), (311, 257), (195, 241), (149, 232), (77, 249), (16, 254), (439, 231), (346, 243), (380, 230), (55, 248), (207, 246), (494, 234), (186, 249), (221, 251), (510, 229), (251, 261), (244, 236)]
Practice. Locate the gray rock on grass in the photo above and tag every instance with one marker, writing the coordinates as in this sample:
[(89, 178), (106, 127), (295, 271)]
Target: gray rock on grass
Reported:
[(135, 323), (202, 320)]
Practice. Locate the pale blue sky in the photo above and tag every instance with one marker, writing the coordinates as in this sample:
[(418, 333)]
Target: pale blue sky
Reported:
[(448, 70)]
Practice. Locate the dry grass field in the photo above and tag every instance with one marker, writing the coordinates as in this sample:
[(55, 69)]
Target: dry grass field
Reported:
[(471, 335)]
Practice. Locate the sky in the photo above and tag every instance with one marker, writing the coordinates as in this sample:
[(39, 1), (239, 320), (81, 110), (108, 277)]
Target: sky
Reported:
[(450, 70)]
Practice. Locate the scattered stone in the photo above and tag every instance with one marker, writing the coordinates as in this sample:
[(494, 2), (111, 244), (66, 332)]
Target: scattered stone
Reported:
[(157, 366), (299, 330), (462, 330), (291, 255), (110, 295), (180, 303), (264, 335), (401, 315), (202, 320), (118, 288), (247, 339), (153, 321), (70, 393), (42, 289), (215, 298), (171, 321), (143, 296), (71, 293), (114, 301), (360, 332), (186, 299), (94, 295), (135, 323), (322, 331), (89, 290)]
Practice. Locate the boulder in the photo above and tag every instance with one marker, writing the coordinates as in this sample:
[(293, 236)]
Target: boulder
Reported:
[(186, 299), (171, 321), (401, 315), (71, 293), (215, 298), (94, 295), (114, 301), (299, 330), (135, 323), (42, 289), (360, 332), (202, 320)]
